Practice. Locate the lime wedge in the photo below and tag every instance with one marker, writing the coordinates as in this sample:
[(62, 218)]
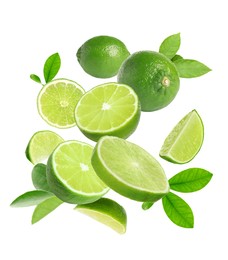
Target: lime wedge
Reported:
[(108, 212), (57, 100), (129, 170), (108, 109), (185, 140), (41, 145), (70, 174)]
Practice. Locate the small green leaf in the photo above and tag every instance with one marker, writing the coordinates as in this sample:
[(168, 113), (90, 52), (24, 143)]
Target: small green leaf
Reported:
[(190, 180), (170, 45), (31, 198), (39, 177), (178, 211), (147, 204), (190, 68), (51, 67), (177, 57), (35, 78), (44, 208)]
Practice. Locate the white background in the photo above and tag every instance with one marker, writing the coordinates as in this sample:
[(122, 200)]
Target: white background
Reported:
[(33, 30)]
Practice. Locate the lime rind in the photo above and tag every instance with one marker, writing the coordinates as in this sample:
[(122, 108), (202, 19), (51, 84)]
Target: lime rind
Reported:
[(107, 212), (123, 129), (50, 117), (41, 145), (136, 187), (61, 187), (171, 149)]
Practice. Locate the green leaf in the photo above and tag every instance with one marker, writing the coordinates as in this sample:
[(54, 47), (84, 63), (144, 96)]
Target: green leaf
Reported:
[(177, 57), (44, 208), (51, 67), (190, 180), (31, 198), (35, 78), (147, 204), (39, 177), (190, 68), (170, 45), (178, 211)]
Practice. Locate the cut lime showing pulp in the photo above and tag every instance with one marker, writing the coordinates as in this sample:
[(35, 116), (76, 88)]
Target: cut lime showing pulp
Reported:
[(70, 174), (108, 109), (41, 145), (107, 212), (57, 100), (185, 140), (129, 169)]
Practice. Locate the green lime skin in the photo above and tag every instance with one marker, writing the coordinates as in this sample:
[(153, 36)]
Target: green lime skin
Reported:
[(153, 77), (102, 56)]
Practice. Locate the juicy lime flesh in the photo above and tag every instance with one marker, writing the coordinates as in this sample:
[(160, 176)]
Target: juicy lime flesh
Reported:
[(41, 145), (106, 108), (104, 219), (102, 56), (74, 169), (124, 166), (153, 77), (57, 101), (185, 140), (107, 212)]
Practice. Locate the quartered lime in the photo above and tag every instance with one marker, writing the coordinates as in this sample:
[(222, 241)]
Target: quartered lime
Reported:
[(185, 140), (70, 174), (129, 169), (41, 145), (57, 100), (107, 212), (108, 109)]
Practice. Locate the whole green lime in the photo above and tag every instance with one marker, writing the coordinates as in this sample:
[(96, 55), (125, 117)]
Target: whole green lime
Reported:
[(153, 77), (102, 56)]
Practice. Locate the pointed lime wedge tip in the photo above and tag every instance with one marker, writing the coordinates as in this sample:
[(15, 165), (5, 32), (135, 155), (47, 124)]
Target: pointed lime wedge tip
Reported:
[(185, 140), (107, 212)]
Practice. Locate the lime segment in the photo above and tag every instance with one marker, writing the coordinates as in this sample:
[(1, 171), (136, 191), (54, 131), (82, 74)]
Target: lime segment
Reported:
[(57, 101), (108, 109), (129, 170), (185, 140), (41, 145), (70, 174), (107, 212)]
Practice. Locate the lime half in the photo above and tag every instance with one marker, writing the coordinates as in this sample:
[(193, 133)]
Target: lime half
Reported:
[(107, 212), (41, 145), (70, 174), (57, 100), (129, 170), (108, 109), (185, 140)]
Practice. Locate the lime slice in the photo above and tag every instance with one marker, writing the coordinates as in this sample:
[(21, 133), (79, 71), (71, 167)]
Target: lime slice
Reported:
[(185, 140), (108, 109), (107, 212), (129, 170), (70, 174), (41, 145), (57, 100)]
